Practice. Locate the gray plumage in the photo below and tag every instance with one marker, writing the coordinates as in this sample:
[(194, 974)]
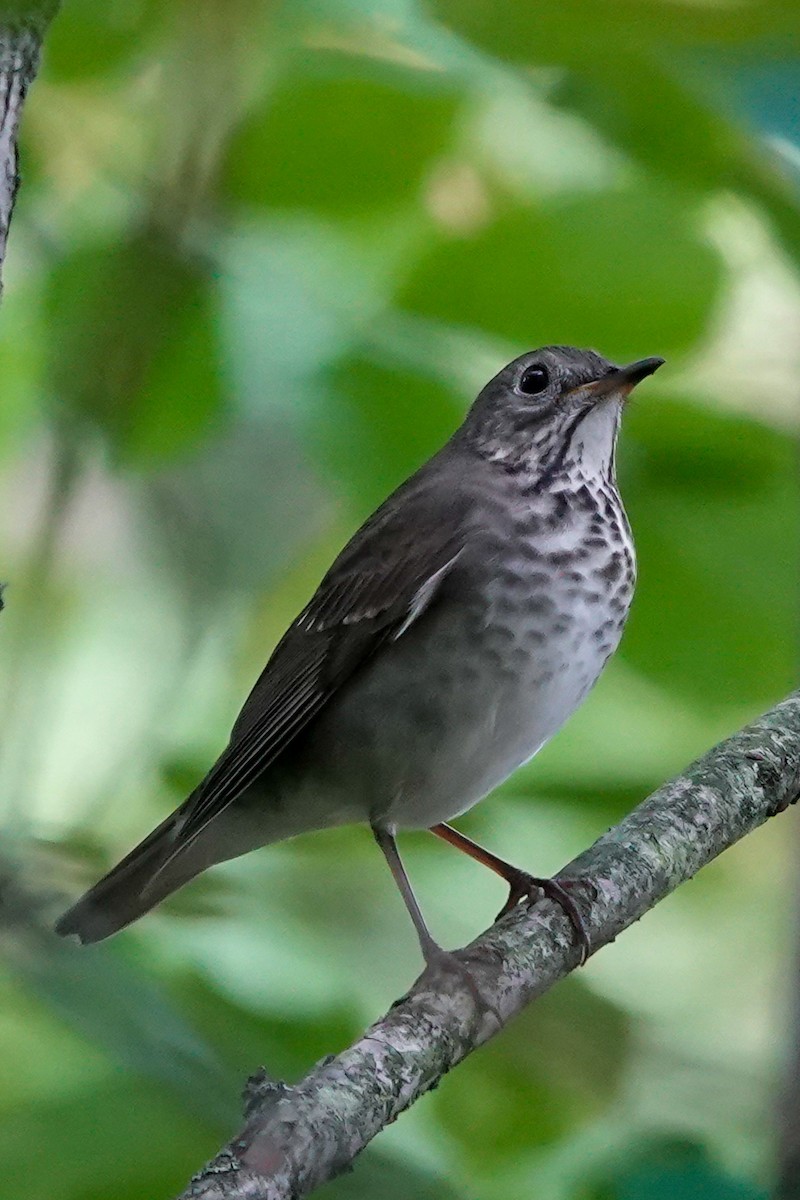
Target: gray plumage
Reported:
[(454, 634)]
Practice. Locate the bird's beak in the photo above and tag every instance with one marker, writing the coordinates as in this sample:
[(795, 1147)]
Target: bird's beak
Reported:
[(625, 379)]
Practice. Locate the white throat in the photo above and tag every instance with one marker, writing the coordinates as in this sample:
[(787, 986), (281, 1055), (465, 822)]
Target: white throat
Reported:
[(594, 442)]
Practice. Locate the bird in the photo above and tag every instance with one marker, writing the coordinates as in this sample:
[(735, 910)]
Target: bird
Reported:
[(451, 638)]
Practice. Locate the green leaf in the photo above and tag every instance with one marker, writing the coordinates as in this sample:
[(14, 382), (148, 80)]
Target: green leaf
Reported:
[(105, 1001), (376, 423), (621, 271), (712, 498), (390, 1178), (340, 145), (557, 1066), (133, 344), (120, 1139), (663, 123), (678, 1170), (89, 40), (631, 77), (570, 31)]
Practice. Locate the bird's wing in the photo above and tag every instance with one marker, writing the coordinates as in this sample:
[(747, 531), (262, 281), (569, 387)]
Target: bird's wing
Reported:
[(383, 581)]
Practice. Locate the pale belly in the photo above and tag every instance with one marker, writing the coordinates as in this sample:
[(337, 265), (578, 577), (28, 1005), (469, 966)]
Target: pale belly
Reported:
[(501, 726), (461, 705)]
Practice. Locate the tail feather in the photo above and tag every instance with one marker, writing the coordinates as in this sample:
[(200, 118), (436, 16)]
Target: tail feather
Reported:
[(133, 887)]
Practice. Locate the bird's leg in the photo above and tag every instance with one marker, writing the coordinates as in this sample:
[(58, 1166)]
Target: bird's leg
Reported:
[(522, 886), (431, 950), (436, 957)]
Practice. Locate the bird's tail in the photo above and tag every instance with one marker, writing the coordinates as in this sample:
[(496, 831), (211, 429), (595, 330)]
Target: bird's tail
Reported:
[(152, 871)]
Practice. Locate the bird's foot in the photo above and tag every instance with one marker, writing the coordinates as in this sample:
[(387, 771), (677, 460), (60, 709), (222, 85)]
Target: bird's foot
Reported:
[(523, 886), (441, 963)]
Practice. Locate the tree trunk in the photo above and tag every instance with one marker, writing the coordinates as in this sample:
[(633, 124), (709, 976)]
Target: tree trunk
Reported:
[(22, 27)]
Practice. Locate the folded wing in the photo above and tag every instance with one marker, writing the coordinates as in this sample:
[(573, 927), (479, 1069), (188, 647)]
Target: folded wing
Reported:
[(383, 581)]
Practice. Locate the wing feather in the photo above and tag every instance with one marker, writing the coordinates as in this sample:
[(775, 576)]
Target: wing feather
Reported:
[(382, 582)]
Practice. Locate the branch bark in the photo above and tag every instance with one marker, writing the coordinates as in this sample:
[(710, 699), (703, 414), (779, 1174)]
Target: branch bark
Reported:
[(296, 1138), (22, 28)]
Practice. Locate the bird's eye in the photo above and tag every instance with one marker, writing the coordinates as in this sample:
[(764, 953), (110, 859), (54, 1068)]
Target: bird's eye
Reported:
[(534, 380)]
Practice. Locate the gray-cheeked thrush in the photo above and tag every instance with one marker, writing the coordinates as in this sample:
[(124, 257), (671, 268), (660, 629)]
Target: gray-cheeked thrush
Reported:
[(451, 638)]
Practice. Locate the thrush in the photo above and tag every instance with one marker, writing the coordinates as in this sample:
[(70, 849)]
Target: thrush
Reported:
[(451, 638)]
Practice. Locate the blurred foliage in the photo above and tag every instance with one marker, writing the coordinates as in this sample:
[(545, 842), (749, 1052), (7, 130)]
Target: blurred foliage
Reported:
[(263, 256), (132, 336)]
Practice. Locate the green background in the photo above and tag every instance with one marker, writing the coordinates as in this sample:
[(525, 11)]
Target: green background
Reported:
[(263, 257)]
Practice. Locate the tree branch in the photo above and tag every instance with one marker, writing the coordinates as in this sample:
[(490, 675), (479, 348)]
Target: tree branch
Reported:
[(22, 28), (296, 1138)]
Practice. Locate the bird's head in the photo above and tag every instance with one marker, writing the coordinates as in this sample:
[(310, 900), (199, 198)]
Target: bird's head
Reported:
[(557, 404)]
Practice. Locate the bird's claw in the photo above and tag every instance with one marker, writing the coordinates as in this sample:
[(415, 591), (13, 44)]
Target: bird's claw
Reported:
[(439, 961), (531, 888)]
